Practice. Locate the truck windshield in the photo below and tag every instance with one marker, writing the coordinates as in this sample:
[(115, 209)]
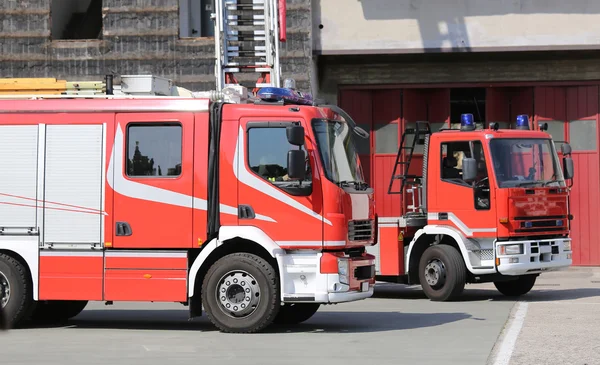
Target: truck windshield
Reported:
[(338, 153), (525, 162)]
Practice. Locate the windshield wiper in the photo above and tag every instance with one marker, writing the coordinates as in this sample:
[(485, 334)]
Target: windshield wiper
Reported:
[(527, 183), (358, 185)]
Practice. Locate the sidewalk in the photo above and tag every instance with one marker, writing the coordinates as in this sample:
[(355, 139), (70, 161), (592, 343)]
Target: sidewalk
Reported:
[(558, 322)]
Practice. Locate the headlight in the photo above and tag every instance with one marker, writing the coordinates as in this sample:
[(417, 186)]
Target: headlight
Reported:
[(343, 265), (566, 245), (510, 249)]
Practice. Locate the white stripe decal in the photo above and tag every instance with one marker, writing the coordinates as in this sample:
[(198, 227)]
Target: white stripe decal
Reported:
[(259, 184), (311, 243), (463, 227), (141, 191)]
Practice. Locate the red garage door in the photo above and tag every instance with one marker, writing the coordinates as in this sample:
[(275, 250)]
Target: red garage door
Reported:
[(385, 113), (572, 116)]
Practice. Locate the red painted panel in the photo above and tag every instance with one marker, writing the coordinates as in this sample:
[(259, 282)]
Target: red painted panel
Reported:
[(358, 104), (146, 263), (497, 105), (146, 285), (567, 104), (392, 261), (387, 109), (387, 205), (71, 276)]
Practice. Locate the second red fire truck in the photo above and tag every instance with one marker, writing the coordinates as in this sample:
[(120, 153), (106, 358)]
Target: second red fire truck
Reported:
[(491, 205)]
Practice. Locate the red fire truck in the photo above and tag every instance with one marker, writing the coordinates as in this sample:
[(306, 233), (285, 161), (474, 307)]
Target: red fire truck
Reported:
[(254, 210), (491, 205)]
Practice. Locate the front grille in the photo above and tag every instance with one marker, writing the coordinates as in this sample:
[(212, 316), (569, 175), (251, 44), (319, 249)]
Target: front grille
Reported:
[(360, 230)]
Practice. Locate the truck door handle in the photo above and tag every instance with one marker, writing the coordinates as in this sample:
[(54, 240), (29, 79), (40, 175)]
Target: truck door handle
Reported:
[(123, 229), (245, 212)]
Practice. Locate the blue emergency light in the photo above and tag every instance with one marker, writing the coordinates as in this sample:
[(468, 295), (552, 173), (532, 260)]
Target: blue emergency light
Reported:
[(286, 94), (467, 123), (522, 122)]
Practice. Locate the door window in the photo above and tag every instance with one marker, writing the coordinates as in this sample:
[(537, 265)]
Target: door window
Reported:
[(267, 157), (154, 150)]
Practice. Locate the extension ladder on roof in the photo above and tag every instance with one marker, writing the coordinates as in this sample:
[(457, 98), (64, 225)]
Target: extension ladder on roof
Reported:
[(247, 35)]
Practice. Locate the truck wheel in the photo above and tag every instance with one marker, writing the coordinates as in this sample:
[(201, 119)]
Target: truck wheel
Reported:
[(295, 313), (516, 288), (442, 272), (58, 310), (240, 293), (15, 291)]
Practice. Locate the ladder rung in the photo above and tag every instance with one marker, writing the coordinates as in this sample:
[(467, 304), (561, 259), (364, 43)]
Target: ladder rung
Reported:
[(234, 23), (246, 48), (244, 2), (246, 63)]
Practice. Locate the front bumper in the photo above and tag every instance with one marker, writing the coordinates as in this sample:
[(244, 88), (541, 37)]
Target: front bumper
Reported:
[(315, 278), (535, 256)]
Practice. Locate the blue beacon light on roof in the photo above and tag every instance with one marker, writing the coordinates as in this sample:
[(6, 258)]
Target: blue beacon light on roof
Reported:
[(467, 123), (286, 94), (522, 122)]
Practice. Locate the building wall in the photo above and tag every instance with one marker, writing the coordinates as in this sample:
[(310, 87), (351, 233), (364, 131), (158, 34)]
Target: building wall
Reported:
[(138, 37), (335, 72), (408, 26)]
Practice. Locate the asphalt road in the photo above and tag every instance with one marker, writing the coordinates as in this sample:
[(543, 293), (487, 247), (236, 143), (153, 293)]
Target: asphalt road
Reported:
[(398, 326)]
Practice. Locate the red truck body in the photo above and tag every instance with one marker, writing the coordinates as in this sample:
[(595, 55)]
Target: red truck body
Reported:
[(179, 199)]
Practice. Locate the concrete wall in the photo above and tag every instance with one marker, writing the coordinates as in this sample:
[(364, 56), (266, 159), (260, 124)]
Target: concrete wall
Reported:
[(380, 26), (139, 37)]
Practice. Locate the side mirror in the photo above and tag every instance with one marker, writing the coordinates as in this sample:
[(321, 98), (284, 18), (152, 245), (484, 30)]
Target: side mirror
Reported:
[(296, 164), (568, 168), (469, 169), (565, 148), (295, 135)]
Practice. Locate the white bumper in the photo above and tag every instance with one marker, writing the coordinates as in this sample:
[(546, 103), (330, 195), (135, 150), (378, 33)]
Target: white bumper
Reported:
[(536, 256), (303, 282)]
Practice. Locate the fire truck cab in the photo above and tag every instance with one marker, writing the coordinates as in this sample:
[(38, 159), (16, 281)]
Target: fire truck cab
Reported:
[(492, 206), (254, 211)]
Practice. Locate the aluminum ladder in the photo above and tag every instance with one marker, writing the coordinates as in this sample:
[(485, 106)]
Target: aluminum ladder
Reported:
[(247, 35)]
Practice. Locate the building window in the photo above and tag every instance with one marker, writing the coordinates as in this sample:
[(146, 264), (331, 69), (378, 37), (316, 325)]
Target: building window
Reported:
[(267, 154), (582, 135), (195, 18), (556, 129), (76, 19), (467, 101), (386, 138), (154, 150)]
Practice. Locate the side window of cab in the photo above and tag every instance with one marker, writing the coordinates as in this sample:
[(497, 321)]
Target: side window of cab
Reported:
[(452, 155), (268, 158)]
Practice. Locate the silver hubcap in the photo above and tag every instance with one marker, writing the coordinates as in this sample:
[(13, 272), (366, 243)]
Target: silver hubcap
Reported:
[(4, 290), (238, 293), (435, 273)]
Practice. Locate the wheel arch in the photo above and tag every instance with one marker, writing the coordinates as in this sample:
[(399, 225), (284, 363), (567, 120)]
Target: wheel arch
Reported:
[(432, 235), (21, 258), (231, 239)]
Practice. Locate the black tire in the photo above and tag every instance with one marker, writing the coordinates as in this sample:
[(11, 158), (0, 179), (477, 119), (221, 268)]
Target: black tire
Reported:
[(518, 287), (294, 313), (451, 273), (20, 297), (57, 310), (245, 272)]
